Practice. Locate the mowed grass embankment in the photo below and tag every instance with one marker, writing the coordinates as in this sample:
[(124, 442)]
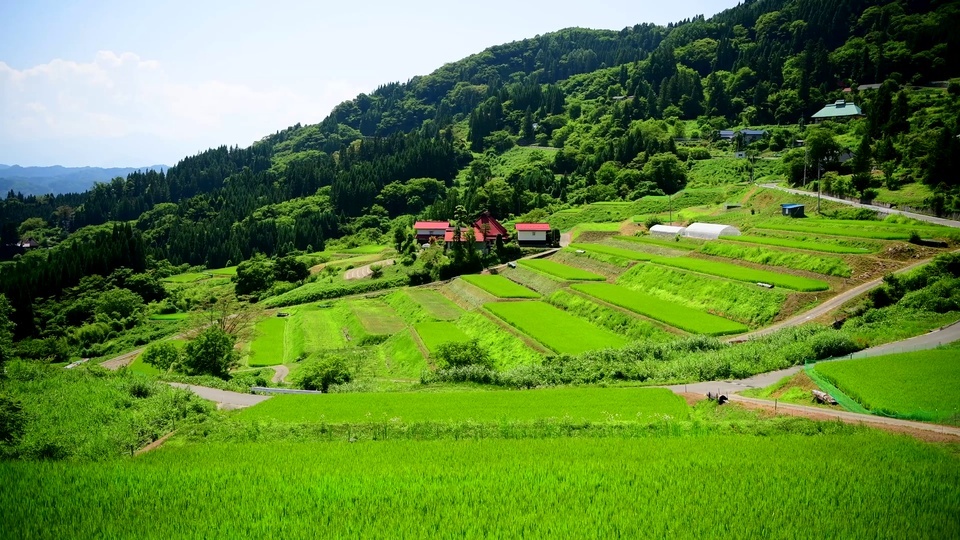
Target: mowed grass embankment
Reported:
[(800, 244), (573, 404), (819, 264), (671, 313), (922, 385), (499, 286), (555, 328), (435, 334), (560, 271), (742, 273), (615, 251), (565, 487), (877, 230)]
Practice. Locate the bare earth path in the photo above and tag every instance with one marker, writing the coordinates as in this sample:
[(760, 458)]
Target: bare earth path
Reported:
[(921, 217), (224, 399), (361, 272), (280, 373)]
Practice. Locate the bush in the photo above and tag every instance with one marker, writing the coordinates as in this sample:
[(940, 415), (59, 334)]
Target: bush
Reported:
[(162, 355), (210, 353), (320, 372), (832, 344), (459, 354), (651, 222)]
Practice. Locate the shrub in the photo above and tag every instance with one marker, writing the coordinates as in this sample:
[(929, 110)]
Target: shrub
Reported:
[(832, 344), (651, 222), (162, 355), (322, 371), (464, 353), (210, 353)]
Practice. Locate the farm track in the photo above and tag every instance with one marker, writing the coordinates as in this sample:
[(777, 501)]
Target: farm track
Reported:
[(280, 373), (880, 209), (364, 271), (223, 398)]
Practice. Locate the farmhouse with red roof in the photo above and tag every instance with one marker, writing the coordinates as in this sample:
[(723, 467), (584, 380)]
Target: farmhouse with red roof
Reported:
[(426, 230)]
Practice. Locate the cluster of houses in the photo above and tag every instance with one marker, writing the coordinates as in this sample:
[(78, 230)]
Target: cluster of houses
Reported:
[(483, 232)]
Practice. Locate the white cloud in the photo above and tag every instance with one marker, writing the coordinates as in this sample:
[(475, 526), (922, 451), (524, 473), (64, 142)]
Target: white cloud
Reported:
[(122, 96)]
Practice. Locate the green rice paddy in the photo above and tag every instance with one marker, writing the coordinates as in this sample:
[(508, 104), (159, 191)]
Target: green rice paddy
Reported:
[(742, 273), (434, 334), (555, 328), (560, 271), (615, 251), (499, 286)]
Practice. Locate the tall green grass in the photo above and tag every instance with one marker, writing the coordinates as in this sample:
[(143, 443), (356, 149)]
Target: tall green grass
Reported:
[(628, 326), (507, 350), (631, 254), (434, 334), (675, 315), (402, 356), (800, 244), (742, 273), (830, 266)]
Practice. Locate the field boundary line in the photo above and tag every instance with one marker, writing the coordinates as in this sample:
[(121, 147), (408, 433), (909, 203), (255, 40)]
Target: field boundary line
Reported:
[(154, 445)]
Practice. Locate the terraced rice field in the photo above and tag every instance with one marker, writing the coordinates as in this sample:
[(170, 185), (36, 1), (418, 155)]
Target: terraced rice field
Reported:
[(267, 348), (575, 404), (568, 487), (685, 245), (377, 317), (615, 251), (499, 286), (555, 328), (434, 334), (435, 304), (923, 385), (187, 277), (742, 273), (800, 244), (675, 315), (879, 230), (560, 271)]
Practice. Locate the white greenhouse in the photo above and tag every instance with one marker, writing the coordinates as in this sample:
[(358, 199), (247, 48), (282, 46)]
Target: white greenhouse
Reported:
[(666, 230), (710, 231)]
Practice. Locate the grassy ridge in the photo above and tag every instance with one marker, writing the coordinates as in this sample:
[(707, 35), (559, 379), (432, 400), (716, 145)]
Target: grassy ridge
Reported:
[(434, 334), (918, 385), (831, 266), (402, 356), (576, 404), (745, 303), (628, 326), (800, 244), (561, 271), (742, 273), (686, 245), (563, 487), (673, 314), (615, 251), (506, 350), (499, 286), (557, 329)]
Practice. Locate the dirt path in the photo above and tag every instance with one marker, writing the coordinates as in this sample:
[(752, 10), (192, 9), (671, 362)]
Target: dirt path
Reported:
[(280, 373), (824, 308), (361, 272), (565, 239), (880, 209)]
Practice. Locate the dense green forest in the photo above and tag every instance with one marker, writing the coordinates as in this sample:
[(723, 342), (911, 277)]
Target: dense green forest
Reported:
[(614, 112)]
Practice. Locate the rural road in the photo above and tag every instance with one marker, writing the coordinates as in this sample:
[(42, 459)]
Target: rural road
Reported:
[(361, 272), (280, 373), (224, 399), (881, 209), (565, 239)]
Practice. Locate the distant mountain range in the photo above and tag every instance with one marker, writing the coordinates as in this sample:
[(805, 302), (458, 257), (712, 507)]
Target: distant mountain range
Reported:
[(58, 179)]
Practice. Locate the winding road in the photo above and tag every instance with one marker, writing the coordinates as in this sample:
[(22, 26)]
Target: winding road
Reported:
[(361, 272)]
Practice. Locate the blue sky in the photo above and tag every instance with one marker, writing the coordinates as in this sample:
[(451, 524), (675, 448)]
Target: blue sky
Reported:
[(111, 83)]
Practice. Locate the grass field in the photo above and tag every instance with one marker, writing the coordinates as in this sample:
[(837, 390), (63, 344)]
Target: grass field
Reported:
[(625, 324), (169, 316), (656, 487), (878, 230), (830, 266), (187, 277), (435, 304), (671, 313), (800, 244), (499, 286), (228, 271), (364, 250), (402, 356), (923, 385), (434, 334), (557, 329), (560, 271), (615, 251), (743, 302), (574, 404), (742, 273), (377, 317), (319, 328), (267, 348)]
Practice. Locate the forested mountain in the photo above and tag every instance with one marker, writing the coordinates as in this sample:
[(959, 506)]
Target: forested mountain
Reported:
[(613, 103), (58, 179)]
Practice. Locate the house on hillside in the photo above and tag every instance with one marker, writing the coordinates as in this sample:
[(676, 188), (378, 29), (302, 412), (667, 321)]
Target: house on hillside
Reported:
[(425, 230), (792, 210), (28, 243), (533, 234), (838, 110), (491, 228), (751, 135), (727, 134), (466, 234)]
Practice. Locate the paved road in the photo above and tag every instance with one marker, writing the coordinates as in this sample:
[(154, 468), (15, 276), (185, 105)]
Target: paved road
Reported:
[(921, 217), (824, 308), (361, 272), (224, 399)]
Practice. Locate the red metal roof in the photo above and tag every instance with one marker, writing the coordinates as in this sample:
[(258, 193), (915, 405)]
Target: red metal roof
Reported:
[(533, 226), (431, 225), (464, 234), (494, 226)]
